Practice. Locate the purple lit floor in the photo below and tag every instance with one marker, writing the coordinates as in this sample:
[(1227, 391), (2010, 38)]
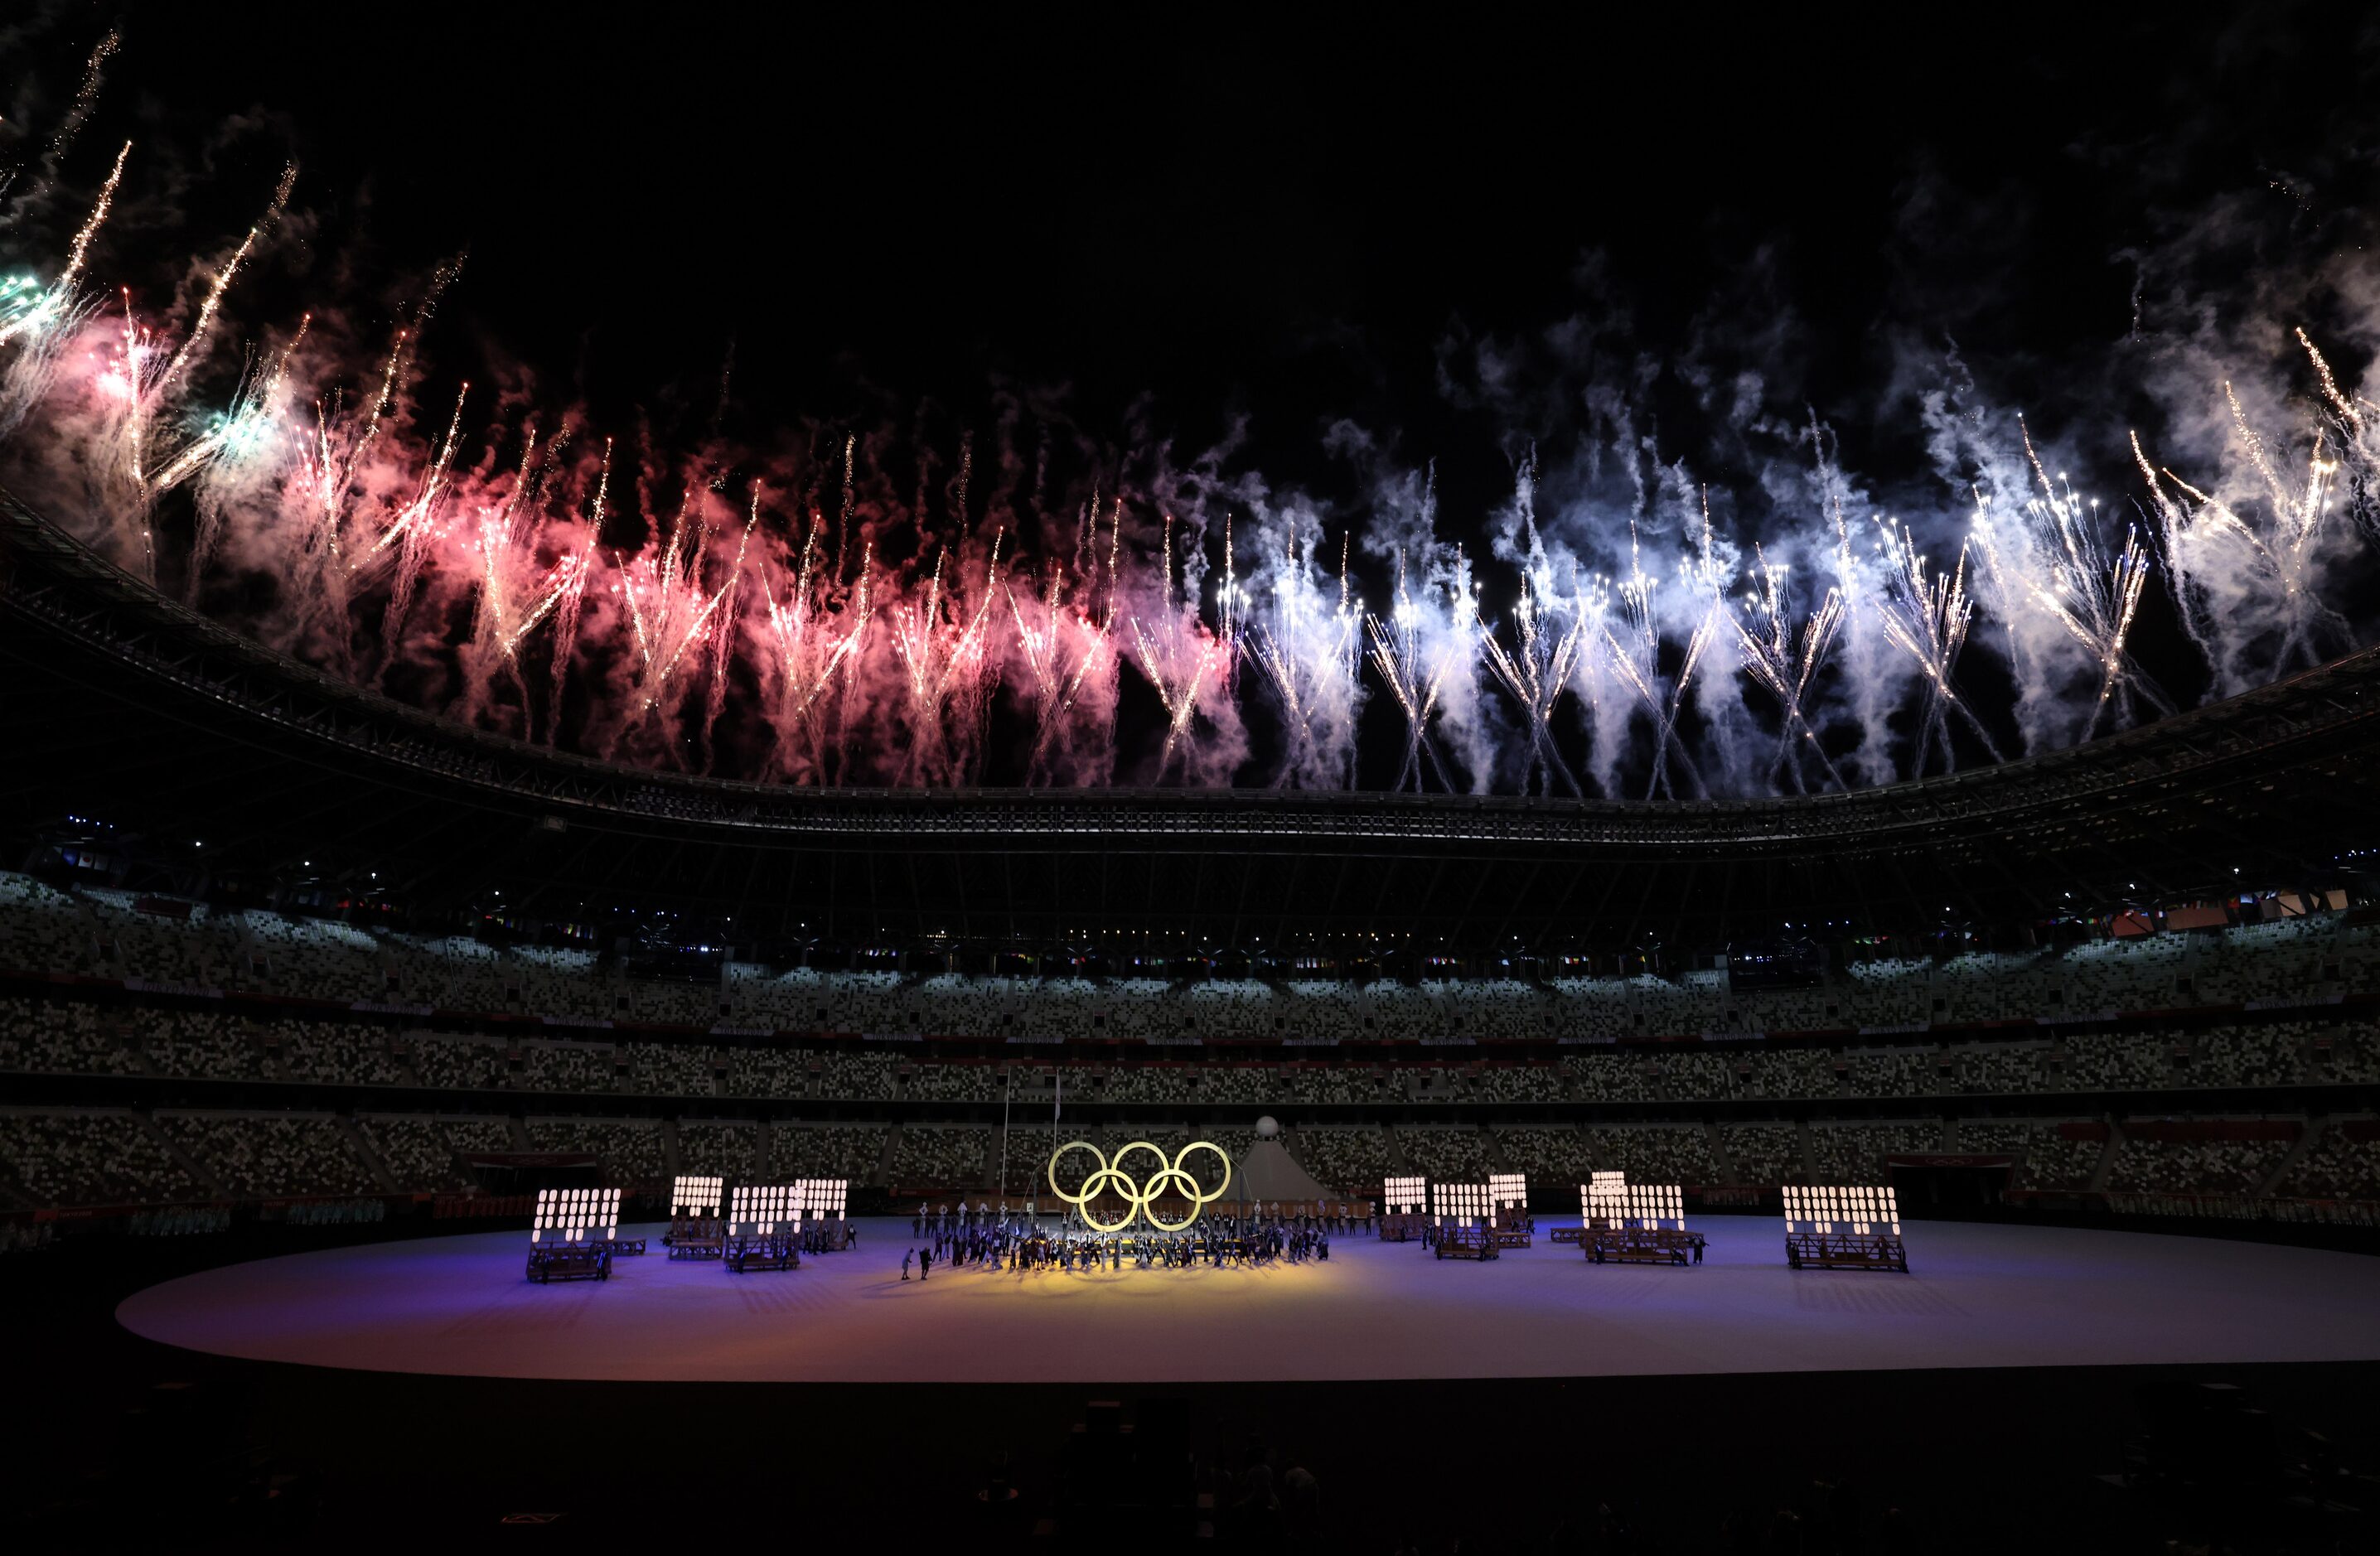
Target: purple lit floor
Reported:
[(1981, 1296)]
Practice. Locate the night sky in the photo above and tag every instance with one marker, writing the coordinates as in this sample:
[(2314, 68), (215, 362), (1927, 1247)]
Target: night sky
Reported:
[(1225, 216)]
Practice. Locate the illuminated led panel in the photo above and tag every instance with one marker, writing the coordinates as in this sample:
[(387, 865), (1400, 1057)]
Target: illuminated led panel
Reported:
[(575, 1215), (1864, 1212), (1406, 1195), (1604, 1196), (1654, 1204), (821, 1198), (695, 1197), (763, 1207), (1462, 1201)]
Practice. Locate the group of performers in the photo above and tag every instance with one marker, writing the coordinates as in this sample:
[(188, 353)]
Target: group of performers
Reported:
[(962, 1220), (1434, 1228), (696, 1236), (1018, 1241)]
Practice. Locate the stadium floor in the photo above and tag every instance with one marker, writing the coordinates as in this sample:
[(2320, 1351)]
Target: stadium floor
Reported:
[(1981, 1296)]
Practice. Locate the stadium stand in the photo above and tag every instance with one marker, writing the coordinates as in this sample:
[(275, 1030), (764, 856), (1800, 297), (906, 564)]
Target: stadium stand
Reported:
[(1765, 1153), (427, 1051), (943, 1159), (2344, 1164), (630, 1153), (265, 1156), (2064, 1155), (719, 1148), (1855, 1153), (416, 1153), (1347, 1160), (1451, 1155), (73, 1157), (1658, 1153)]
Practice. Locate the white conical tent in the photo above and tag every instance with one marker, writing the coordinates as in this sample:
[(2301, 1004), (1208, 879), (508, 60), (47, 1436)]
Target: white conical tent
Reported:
[(1268, 1172)]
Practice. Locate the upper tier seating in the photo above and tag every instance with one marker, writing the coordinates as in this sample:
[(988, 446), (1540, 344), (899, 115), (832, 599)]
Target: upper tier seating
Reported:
[(107, 933)]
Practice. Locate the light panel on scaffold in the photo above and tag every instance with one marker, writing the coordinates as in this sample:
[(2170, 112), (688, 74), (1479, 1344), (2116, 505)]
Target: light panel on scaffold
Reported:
[(1656, 1206), (1405, 1196), (692, 1196), (575, 1215), (1510, 1191), (1604, 1196), (761, 1209), (1462, 1201), (1859, 1212), (822, 1199)]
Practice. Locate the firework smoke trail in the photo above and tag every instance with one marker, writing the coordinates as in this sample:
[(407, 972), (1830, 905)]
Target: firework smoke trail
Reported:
[(212, 305), (1306, 651), (1416, 676), (1926, 615), (335, 457), (850, 502), (40, 320), (1535, 669), (339, 453), (125, 387), (570, 609), (978, 667), (2210, 542), (674, 614), (1062, 642), (1544, 651), (1703, 576), (516, 596), (1636, 661), (1870, 684), (407, 541), (2352, 428), (2010, 593), (2092, 598), (149, 388), (1043, 643), (1180, 657), (243, 433), (1785, 663), (811, 650), (343, 445), (86, 97), (59, 297), (1609, 685), (940, 644), (723, 639)]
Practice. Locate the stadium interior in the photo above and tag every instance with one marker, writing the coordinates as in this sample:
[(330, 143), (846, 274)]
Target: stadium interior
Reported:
[(286, 967), (1342, 783)]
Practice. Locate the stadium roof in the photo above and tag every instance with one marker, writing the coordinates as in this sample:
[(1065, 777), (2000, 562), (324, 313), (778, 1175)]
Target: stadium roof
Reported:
[(121, 704)]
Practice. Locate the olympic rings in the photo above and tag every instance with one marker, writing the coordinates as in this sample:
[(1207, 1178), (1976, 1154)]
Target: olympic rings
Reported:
[(1110, 1176)]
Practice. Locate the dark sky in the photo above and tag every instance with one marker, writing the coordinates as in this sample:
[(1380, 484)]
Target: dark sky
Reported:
[(1213, 210)]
